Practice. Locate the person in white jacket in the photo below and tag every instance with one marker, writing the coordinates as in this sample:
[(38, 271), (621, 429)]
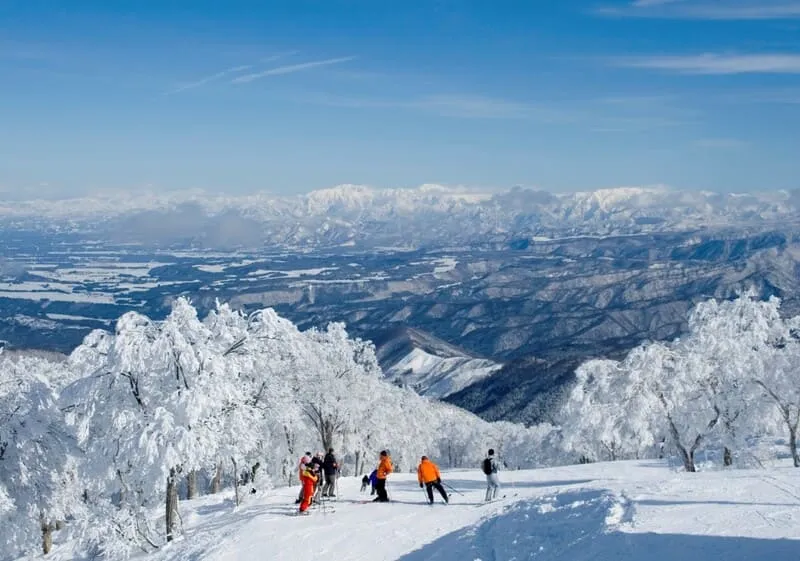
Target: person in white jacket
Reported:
[(492, 480)]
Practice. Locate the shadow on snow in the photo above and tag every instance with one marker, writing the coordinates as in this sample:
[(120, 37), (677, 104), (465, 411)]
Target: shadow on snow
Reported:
[(584, 526)]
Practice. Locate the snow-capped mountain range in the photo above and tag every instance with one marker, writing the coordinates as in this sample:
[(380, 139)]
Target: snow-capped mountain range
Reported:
[(429, 214)]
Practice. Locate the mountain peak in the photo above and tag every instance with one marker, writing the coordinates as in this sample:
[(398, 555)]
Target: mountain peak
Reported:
[(432, 367)]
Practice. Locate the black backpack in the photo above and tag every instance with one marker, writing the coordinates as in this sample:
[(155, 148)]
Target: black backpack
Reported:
[(487, 466)]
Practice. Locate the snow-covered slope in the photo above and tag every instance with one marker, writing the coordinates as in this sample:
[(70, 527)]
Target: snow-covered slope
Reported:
[(625, 511), (432, 367)]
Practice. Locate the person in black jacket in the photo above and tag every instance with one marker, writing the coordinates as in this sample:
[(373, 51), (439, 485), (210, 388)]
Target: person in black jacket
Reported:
[(330, 467), (318, 462)]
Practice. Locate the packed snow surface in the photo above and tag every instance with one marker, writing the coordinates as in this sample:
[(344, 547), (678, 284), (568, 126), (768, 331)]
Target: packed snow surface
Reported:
[(624, 511)]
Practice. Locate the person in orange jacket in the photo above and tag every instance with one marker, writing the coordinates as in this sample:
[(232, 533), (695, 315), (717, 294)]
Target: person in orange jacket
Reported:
[(428, 475), (384, 469), (309, 478)]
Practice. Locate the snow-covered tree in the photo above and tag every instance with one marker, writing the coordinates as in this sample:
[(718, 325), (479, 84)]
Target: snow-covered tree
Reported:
[(38, 484), (149, 413), (607, 415), (335, 382), (727, 342), (778, 375)]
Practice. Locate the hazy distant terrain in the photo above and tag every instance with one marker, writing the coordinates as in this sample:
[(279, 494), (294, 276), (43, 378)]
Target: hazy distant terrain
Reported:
[(531, 280)]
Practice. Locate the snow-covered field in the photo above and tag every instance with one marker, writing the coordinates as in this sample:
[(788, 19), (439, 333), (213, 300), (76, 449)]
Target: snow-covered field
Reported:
[(624, 511)]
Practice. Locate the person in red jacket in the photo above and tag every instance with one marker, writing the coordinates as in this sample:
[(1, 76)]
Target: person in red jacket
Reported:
[(428, 475), (309, 479)]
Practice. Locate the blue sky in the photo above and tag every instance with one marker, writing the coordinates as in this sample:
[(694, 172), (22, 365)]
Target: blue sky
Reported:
[(297, 95)]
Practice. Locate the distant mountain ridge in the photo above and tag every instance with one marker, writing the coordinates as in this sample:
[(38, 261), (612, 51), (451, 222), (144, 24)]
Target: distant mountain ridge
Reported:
[(353, 215), (430, 366), (536, 281)]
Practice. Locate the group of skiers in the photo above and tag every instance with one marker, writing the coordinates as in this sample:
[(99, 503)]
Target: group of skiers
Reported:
[(311, 471), (313, 468)]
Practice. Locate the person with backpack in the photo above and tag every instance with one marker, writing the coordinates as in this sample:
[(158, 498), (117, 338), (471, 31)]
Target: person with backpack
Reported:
[(492, 480), (384, 469), (317, 462), (330, 467), (428, 475)]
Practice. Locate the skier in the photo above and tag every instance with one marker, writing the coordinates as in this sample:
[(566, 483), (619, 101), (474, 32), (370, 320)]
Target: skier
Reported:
[(330, 467), (383, 471), (301, 466), (492, 481), (428, 475), (309, 479), (318, 462)]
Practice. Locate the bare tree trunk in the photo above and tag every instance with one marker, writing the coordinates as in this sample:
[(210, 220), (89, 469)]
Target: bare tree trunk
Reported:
[(327, 436), (216, 482), (235, 480), (290, 445), (172, 502), (727, 457), (786, 413), (686, 455), (358, 459), (191, 485), (253, 471), (47, 534), (793, 444)]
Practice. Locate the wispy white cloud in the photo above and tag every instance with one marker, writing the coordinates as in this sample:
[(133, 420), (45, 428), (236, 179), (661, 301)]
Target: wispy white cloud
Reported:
[(210, 78), (718, 64), (708, 9), (290, 69), (222, 74)]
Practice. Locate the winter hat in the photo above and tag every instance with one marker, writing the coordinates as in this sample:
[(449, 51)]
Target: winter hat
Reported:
[(384, 453), (330, 450), (424, 457), (491, 451)]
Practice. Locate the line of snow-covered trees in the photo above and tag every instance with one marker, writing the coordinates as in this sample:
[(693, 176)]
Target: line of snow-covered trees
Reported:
[(184, 406), (732, 381), (92, 446)]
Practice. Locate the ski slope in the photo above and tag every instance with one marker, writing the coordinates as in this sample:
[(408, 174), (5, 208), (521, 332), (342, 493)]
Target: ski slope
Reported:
[(623, 511)]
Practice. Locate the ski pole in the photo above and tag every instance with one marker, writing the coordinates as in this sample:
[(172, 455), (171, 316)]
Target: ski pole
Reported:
[(427, 499), (453, 489)]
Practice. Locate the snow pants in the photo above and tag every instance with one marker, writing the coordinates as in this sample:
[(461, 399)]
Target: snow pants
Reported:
[(380, 487), (330, 485), (308, 492), (429, 487), (492, 486)]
